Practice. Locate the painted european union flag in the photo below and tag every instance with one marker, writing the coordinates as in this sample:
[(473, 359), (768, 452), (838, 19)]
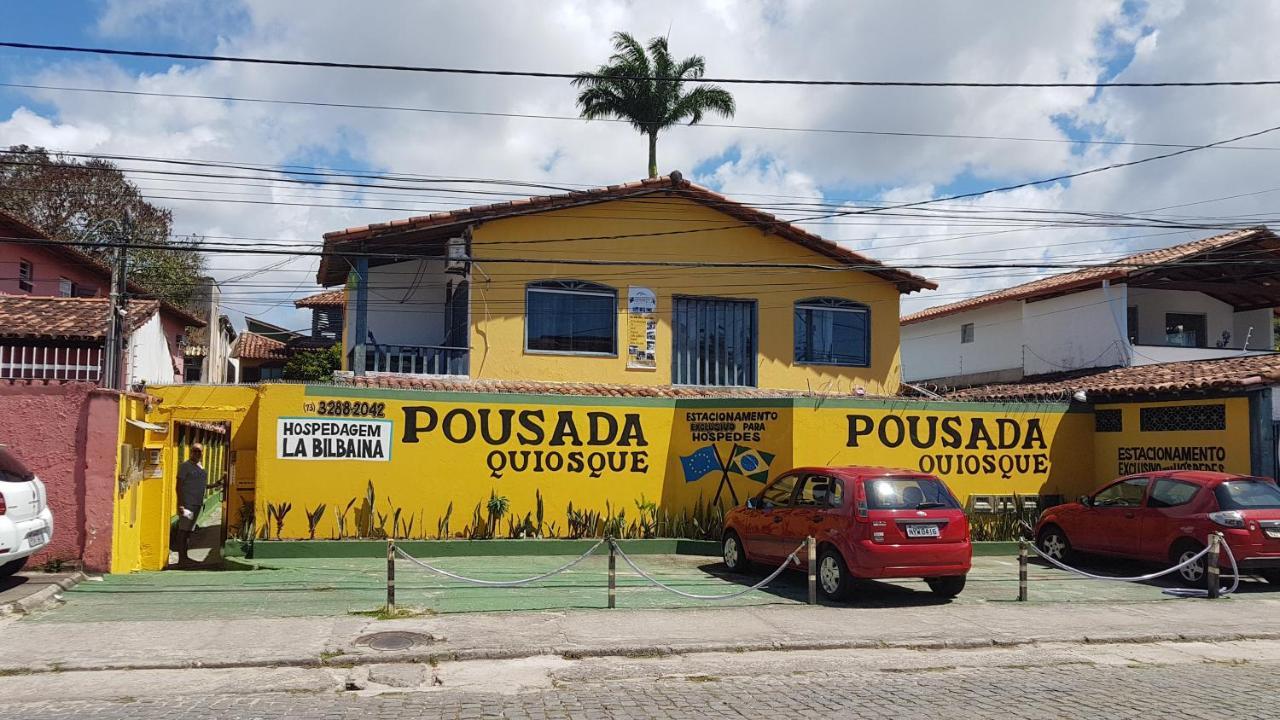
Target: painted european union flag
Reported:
[(702, 461)]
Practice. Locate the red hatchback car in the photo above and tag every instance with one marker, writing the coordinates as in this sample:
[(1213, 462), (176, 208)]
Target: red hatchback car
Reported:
[(869, 522), (1167, 517)]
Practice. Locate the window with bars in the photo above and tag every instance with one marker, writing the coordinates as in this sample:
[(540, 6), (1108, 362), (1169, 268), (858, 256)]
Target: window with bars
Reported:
[(715, 342), (26, 273), (326, 323), (1108, 420), (1183, 417), (832, 331), (66, 288), (572, 317)]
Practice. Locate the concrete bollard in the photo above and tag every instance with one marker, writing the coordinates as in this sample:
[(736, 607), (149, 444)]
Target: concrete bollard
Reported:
[(1211, 569), (391, 577), (811, 546), (613, 576), (1022, 570)]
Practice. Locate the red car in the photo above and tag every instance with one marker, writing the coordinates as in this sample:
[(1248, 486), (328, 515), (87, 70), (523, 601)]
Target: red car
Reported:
[(869, 522), (1167, 517)]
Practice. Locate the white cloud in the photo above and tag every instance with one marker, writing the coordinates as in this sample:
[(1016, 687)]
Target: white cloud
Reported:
[(1013, 40)]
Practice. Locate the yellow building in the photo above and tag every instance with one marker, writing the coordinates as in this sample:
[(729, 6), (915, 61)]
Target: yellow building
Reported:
[(657, 283)]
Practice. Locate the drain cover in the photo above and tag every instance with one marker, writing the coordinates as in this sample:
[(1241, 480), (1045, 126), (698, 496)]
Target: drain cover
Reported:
[(395, 640)]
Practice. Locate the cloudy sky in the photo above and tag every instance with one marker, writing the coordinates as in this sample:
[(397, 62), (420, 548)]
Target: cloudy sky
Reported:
[(1061, 130)]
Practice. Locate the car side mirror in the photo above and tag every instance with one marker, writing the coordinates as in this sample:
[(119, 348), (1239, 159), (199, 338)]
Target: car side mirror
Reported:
[(1085, 500), (752, 504)]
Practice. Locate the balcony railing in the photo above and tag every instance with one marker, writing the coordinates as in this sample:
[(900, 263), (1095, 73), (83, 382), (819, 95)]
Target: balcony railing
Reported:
[(1154, 354), (413, 359), (50, 362)]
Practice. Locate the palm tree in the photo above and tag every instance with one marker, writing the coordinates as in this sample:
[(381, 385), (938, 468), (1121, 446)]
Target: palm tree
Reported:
[(645, 89)]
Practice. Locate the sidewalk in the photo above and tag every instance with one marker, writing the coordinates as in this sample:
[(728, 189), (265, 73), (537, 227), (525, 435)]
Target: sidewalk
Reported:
[(28, 591), (309, 641)]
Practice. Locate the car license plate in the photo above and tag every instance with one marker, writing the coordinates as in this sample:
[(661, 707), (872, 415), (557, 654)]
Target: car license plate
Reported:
[(923, 531), (37, 537)]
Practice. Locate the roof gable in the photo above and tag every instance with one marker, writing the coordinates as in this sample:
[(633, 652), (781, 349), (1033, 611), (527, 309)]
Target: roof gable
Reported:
[(1115, 270), (400, 235)]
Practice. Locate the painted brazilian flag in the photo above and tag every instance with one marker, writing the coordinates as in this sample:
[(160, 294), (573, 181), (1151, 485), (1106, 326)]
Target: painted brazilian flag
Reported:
[(750, 463)]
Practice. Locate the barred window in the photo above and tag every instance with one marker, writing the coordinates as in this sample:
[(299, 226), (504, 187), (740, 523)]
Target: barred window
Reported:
[(1183, 417), (1108, 421)]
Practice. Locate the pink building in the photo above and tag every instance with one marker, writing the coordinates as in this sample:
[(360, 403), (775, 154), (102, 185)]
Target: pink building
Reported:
[(53, 312)]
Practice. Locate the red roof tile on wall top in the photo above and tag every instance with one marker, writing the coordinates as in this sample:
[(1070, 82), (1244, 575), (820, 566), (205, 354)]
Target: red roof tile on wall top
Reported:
[(1224, 374), (1088, 277), (674, 183), (529, 387)]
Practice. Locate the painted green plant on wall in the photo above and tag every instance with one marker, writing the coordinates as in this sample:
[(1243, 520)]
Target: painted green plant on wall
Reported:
[(313, 520)]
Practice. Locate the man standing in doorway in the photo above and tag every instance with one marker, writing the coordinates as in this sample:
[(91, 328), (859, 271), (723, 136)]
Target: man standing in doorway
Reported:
[(192, 480)]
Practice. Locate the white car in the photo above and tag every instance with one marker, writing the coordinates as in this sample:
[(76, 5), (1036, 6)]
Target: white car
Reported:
[(26, 524)]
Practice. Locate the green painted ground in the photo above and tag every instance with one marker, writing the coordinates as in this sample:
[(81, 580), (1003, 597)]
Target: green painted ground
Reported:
[(326, 587)]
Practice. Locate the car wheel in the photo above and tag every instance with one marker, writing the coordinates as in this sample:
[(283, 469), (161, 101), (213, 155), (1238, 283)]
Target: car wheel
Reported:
[(946, 587), (1194, 574), (12, 567), (833, 577), (1053, 542), (735, 558)]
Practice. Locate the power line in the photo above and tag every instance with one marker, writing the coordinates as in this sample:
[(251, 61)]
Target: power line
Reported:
[(595, 76), (857, 267), (577, 118)]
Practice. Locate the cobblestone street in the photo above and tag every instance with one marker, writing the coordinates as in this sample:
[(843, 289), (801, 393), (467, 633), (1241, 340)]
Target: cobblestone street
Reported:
[(1160, 680)]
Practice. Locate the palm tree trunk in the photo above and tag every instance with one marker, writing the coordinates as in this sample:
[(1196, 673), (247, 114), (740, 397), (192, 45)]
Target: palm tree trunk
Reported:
[(653, 154)]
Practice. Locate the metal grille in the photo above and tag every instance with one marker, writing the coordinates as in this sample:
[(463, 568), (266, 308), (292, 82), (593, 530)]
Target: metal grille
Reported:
[(1108, 421), (1184, 417), (326, 323), (715, 342), (45, 362)]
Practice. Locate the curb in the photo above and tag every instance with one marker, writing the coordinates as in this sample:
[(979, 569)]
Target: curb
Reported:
[(642, 651), (45, 597)]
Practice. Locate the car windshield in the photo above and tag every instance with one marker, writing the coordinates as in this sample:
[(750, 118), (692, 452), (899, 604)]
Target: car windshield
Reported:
[(12, 469), (1247, 495), (908, 493)]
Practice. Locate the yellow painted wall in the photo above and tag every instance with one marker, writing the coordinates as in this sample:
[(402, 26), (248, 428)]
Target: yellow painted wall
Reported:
[(609, 453), (498, 292), (143, 544), (449, 459), (977, 448), (127, 514), (1132, 450)]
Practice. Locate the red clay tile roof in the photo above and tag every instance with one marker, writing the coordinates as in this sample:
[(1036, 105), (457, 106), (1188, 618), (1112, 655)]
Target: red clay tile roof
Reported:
[(1115, 270), (333, 271), (1226, 374), (526, 387), (14, 228), (252, 346), (69, 318), (328, 298)]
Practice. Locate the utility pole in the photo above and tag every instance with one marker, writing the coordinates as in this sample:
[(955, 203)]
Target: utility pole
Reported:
[(117, 311)]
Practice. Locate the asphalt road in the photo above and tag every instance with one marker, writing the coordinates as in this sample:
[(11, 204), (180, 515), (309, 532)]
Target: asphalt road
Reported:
[(1167, 680)]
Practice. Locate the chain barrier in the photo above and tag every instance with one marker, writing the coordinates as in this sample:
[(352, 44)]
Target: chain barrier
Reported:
[(729, 596), (499, 583), (1181, 592)]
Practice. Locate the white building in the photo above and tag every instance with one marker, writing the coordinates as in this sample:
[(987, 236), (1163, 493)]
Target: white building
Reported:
[(1206, 299)]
